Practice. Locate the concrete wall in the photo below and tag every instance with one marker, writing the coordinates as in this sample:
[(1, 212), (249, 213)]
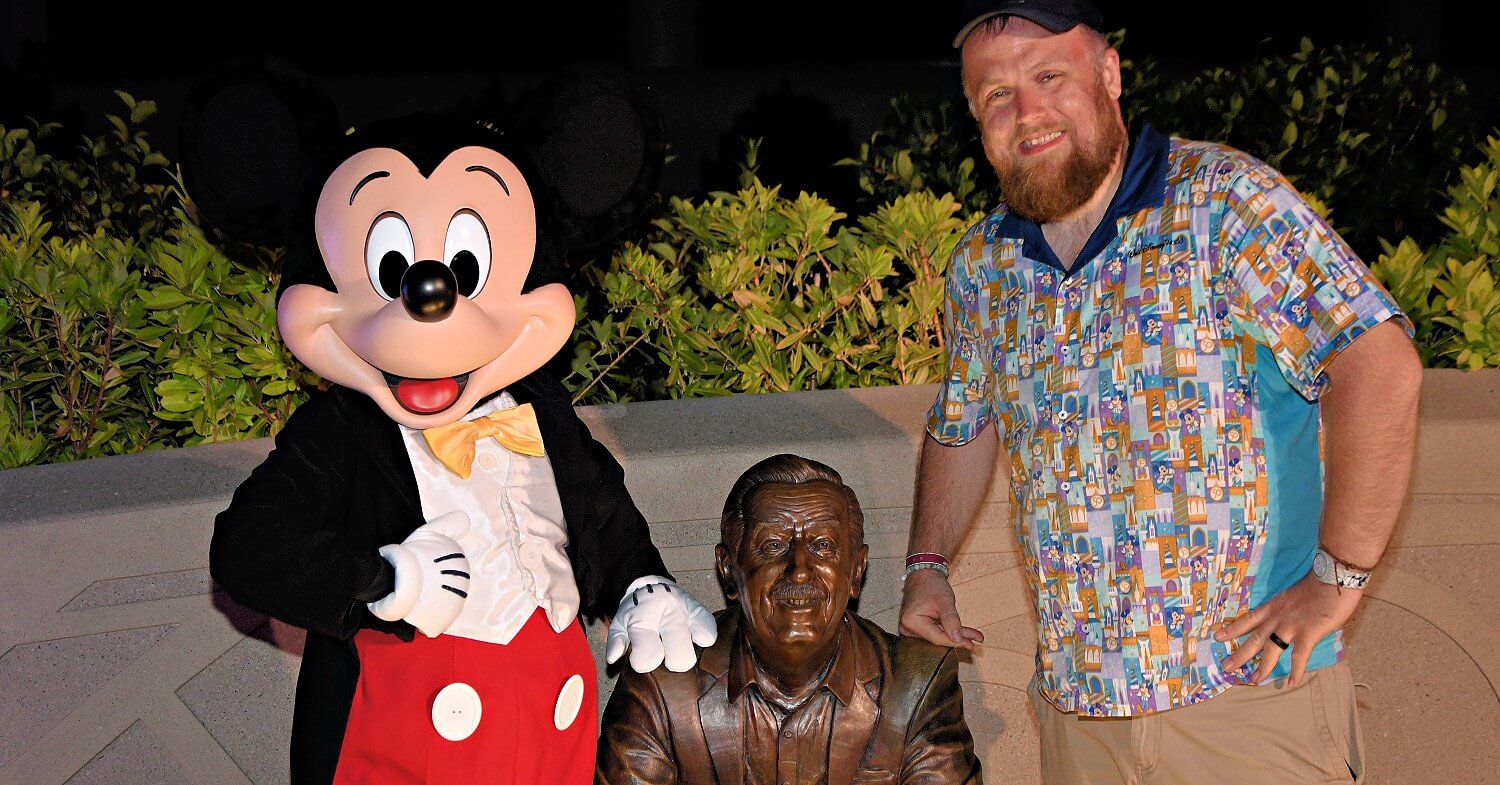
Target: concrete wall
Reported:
[(119, 663)]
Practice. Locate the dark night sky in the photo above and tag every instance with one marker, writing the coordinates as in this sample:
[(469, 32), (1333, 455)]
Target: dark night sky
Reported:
[(708, 61), (126, 38)]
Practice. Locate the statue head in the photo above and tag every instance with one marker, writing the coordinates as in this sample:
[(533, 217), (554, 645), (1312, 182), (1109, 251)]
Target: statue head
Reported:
[(792, 554)]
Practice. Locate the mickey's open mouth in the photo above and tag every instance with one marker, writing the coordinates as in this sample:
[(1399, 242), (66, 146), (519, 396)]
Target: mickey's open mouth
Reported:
[(426, 396)]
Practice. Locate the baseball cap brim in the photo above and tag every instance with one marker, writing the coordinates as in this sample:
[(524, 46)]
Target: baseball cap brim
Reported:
[(1056, 23)]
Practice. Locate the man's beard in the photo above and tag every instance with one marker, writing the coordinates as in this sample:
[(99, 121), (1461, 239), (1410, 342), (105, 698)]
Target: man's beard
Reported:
[(1044, 191)]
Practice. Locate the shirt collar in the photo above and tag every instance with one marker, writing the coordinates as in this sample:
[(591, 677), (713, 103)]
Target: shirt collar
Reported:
[(1142, 186), (840, 679)]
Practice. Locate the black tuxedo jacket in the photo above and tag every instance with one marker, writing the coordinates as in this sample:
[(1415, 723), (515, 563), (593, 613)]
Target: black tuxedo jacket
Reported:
[(300, 539)]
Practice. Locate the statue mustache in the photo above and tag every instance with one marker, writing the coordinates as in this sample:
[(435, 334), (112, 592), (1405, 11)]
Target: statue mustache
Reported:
[(798, 591)]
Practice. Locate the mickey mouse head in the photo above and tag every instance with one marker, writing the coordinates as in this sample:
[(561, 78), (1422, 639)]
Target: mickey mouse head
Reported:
[(429, 254), (421, 267)]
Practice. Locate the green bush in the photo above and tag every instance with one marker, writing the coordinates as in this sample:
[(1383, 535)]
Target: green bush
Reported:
[(754, 292), (1449, 290), (1374, 133), (71, 377), (221, 371), (931, 144), (122, 327), (115, 345), (113, 183)]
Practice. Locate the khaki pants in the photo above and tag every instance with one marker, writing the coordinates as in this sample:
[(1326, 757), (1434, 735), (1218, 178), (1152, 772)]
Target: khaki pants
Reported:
[(1259, 735)]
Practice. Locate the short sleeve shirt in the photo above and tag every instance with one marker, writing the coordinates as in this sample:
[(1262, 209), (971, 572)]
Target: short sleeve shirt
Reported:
[(1157, 405)]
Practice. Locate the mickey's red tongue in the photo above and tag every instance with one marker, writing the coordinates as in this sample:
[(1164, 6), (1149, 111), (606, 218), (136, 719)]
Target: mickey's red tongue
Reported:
[(426, 396)]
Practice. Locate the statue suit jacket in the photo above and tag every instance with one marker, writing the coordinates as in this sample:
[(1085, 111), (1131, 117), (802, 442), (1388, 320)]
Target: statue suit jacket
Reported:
[(299, 541), (905, 726)]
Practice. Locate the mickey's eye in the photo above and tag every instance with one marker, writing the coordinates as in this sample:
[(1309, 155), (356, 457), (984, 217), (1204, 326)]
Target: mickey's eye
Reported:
[(467, 251), (389, 250)]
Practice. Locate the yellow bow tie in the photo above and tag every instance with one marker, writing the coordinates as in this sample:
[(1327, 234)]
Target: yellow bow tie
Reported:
[(515, 428)]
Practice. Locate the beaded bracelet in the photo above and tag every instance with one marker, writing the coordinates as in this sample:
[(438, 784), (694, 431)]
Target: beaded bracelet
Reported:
[(926, 556), (926, 561), (926, 565)]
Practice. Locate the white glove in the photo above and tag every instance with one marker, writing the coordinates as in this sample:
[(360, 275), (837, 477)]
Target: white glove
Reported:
[(659, 621), (432, 576)]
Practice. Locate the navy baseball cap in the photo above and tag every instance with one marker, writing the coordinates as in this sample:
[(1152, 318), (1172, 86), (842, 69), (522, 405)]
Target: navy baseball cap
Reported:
[(1059, 16)]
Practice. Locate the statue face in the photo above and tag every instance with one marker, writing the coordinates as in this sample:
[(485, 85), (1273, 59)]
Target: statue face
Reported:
[(794, 569)]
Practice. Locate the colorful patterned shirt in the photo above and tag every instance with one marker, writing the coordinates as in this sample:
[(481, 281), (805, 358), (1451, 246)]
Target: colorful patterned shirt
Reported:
[(1157, 404)]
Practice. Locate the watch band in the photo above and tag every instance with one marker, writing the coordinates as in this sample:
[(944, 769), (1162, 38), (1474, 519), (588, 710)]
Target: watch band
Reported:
[(1334, 571)]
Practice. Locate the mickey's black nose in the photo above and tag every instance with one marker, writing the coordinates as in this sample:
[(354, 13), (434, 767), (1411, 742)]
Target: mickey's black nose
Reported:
[(429, 290)]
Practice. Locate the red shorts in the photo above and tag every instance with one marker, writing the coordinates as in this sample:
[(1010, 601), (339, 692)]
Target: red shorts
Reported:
[(391, 739)]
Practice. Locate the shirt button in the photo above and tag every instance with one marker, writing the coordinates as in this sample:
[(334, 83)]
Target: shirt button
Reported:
[(786, 734), (488, 462), (531, 555)]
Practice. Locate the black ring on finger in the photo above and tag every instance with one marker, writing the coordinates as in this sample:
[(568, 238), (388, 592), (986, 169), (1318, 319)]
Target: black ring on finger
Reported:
[(1276, 639)]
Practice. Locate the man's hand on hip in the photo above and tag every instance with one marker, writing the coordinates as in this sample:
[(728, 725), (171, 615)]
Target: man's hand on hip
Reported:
[(1299, 617), (929, 611)]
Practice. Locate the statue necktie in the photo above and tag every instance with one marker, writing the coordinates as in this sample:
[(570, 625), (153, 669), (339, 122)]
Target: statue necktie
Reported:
[(515, 428)]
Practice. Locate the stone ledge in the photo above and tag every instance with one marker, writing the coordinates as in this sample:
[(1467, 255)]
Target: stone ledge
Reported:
[(713, 439)]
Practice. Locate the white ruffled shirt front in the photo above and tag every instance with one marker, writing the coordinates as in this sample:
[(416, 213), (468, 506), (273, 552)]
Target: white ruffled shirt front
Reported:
[(517, 539)]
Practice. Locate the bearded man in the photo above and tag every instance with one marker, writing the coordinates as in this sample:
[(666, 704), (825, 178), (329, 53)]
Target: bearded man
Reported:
[(1208, 410)]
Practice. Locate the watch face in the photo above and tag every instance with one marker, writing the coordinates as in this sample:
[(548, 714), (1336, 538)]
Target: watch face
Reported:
[(1322, 565)]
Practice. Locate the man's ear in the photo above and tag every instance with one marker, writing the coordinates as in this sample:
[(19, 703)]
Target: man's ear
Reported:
[(1112, 79), (857, 579), (726, 576)]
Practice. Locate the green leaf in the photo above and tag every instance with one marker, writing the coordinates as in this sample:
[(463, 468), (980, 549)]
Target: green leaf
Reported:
[(193, 317), (141, 111), (164, 297)]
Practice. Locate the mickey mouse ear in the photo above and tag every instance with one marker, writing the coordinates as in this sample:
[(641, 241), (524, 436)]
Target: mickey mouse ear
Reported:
[(597, 138), (246, 135)]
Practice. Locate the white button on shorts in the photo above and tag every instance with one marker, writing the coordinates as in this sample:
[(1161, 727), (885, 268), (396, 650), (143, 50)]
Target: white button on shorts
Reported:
[(455, 711), (569, 699)]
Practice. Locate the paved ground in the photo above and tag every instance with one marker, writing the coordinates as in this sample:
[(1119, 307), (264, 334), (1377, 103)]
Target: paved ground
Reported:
[(120, 664)]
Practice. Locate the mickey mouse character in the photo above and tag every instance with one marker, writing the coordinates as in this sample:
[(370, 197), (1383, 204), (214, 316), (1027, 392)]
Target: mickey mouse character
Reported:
[(443, 484)]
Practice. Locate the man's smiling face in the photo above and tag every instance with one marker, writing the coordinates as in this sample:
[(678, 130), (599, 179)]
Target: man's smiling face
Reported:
[(1048, 112)]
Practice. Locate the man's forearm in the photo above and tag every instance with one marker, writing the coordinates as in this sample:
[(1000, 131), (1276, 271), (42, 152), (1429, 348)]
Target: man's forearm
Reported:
[(1370, 429), (951, 485)]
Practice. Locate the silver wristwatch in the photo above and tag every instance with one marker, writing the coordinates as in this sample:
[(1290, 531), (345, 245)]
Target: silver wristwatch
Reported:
[(1333, 572)]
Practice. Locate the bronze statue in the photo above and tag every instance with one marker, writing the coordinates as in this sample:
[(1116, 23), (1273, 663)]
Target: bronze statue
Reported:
[(796, 690)]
